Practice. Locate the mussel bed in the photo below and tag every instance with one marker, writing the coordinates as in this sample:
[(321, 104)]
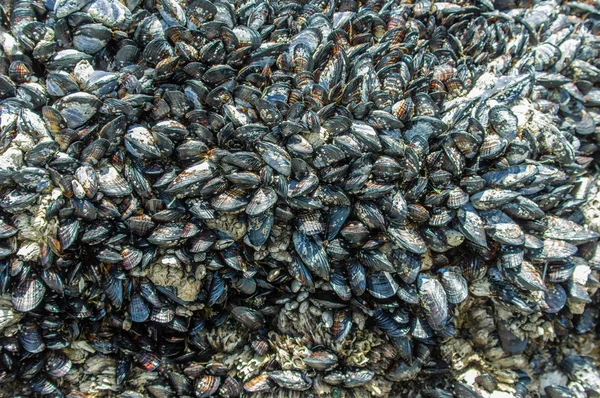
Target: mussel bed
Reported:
[(299, 198)]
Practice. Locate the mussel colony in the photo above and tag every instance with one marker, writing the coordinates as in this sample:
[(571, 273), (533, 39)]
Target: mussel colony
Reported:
[(299, 198)]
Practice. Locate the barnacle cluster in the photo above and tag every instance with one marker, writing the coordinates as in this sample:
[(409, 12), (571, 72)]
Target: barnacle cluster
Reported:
[(299, 198)]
